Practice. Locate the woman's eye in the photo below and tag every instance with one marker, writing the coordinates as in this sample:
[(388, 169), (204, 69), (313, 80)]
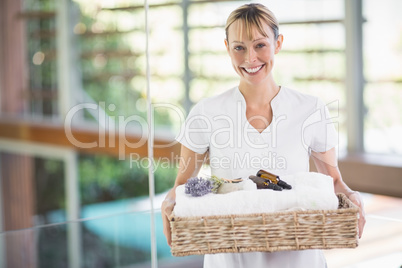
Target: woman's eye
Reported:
[(238, 48), (260, 45)]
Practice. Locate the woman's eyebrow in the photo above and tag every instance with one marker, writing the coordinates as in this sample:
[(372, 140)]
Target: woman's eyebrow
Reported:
[(256, 40)]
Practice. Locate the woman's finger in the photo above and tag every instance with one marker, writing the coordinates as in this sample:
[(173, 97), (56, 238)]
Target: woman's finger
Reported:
[(167, 209)]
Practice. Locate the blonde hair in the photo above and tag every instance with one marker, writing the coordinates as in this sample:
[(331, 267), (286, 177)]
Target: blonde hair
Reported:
[(253, 15)]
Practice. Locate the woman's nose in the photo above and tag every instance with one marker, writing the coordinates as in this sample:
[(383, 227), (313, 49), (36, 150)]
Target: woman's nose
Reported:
[(251, 55)]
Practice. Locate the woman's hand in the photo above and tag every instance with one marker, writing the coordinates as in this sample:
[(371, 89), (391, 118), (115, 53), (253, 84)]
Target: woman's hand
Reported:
[(356, 199), (167, 209)]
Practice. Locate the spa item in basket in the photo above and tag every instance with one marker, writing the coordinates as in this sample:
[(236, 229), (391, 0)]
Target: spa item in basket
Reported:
[(231, 186), (273, 178), (233, 181), (264, 183), (198, 186), (216, 183)]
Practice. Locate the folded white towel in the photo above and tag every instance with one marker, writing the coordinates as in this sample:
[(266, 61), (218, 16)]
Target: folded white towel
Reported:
[(309, 191)]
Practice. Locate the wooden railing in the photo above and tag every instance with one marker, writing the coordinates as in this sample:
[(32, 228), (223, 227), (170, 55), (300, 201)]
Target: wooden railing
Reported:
[(97, 142)]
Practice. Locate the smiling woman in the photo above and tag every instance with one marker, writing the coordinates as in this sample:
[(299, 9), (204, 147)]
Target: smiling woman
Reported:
[(254, 108)]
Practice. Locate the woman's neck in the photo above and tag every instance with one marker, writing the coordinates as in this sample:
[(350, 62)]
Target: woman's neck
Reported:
[(261, 94)]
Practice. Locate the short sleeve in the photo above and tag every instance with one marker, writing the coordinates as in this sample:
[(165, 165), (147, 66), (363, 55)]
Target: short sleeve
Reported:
[(320, 130), (196, 130)]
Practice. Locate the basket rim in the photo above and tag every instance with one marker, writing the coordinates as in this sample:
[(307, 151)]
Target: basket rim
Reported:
[(349, 207)]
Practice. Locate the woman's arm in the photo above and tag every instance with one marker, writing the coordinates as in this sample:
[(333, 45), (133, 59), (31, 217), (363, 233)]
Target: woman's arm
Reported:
[(327, 163), (189, 166)]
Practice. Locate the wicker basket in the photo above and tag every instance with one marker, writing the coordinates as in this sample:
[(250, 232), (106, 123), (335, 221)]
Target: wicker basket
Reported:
[(288, 230)]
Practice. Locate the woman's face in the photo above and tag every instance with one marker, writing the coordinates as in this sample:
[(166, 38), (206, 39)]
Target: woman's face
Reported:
[(252, 59)]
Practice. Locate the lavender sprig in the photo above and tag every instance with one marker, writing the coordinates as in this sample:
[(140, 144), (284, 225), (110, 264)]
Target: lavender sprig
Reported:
[(198, 186)]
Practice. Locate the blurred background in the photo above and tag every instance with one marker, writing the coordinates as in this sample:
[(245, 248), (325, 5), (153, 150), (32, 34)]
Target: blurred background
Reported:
[(74, 189)]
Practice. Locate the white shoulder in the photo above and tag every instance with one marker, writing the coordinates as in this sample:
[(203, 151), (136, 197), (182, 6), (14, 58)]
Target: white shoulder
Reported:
[(300, 98), (216, 104)]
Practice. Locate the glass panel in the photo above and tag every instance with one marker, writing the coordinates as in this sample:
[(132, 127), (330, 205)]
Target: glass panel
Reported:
[(118, 240), (33, 191), (383, 63), (41, 58), (50, 191), (111, 44), (120, 183)]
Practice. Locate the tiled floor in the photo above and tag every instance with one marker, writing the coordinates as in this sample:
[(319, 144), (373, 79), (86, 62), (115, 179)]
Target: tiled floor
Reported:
[(381, 244)]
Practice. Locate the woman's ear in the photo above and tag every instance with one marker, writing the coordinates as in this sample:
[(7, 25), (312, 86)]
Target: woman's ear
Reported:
[(227, 45), (278, 44)]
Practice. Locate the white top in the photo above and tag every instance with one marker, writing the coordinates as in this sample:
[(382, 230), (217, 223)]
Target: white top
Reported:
[(300, 123)]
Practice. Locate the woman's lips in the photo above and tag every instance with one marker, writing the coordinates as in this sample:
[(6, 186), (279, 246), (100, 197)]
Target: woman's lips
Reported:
[(253, 70)]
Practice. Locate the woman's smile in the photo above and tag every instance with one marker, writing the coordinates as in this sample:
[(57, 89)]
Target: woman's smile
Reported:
[(253, 70)]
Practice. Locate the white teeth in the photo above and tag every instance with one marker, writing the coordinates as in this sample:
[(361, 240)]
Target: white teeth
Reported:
[(253, 70)]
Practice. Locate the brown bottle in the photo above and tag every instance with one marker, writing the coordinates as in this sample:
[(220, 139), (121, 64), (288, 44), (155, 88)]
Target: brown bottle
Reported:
[(264, 183), (273, 178), (267, 175)]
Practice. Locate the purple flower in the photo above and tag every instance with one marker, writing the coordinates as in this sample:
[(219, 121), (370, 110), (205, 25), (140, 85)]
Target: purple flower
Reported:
[(198, 186)]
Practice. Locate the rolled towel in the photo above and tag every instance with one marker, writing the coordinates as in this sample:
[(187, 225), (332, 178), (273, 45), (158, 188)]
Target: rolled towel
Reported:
[(310, 191)]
